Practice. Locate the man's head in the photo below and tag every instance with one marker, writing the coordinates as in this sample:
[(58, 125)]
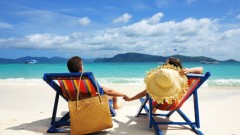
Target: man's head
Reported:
[(74, 64)]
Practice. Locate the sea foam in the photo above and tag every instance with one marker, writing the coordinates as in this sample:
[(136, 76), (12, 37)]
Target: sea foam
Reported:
[(21, 81), (224, 82), (115, 80)]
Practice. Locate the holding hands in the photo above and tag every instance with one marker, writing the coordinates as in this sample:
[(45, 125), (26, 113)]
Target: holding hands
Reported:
[(127, 98)]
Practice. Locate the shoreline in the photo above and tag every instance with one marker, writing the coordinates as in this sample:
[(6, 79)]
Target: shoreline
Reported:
[(138, 81), (27, 110)]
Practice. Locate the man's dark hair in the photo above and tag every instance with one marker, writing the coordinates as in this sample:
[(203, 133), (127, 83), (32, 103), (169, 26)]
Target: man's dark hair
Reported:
[(74, 64)]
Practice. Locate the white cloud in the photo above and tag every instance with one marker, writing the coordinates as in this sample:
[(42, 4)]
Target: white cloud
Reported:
[(155, 18), (123, 19), (231, 33), (146, 27), (4, 25), (191, 37), (44, 41), (238, 17), (84, 21)]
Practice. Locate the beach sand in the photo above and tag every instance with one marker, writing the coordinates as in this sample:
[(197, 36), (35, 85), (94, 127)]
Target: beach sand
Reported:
[(27, 110)]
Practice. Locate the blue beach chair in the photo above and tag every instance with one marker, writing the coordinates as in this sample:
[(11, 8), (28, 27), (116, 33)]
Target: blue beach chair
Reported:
[(65, 86), (194, 81)]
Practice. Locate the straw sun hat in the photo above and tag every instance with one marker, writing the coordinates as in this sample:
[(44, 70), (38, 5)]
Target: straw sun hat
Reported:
[(165, 84)]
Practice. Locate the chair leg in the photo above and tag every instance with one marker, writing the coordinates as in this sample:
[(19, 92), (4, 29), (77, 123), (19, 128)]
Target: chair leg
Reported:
[(143, 106), (170, 113), (157, 130), (66, 117), (55, 109), (196, 109), (55, 129), (152, 122), (112, 110), (150, 115), (56, 125), (193, 126)]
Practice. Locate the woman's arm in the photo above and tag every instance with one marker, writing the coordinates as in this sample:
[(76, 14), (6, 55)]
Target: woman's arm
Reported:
[(138, 96), (195, 70)]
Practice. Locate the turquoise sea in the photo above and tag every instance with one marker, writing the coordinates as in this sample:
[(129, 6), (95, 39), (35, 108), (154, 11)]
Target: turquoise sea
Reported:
[(223, 74)]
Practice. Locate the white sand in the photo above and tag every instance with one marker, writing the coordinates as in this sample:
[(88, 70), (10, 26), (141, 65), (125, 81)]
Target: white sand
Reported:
[(27, 109)]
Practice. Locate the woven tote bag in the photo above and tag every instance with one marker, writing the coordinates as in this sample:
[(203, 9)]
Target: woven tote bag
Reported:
[(90, 114)]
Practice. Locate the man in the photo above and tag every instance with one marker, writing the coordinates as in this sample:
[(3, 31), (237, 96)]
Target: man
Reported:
[(75, 64)]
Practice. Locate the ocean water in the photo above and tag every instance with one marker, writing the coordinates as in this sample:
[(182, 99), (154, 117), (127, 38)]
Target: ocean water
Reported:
[(222, 74)]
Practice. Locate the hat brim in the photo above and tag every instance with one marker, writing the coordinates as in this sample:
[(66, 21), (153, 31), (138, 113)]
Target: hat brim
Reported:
[(169, 94)]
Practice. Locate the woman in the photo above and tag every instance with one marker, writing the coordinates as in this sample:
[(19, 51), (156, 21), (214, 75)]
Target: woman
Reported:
[(170, 61)]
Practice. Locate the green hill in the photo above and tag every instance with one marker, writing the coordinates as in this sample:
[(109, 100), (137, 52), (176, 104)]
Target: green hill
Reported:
[(138, 57)]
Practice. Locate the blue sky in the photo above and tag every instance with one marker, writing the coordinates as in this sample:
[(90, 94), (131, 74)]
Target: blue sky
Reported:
[(104, 28)]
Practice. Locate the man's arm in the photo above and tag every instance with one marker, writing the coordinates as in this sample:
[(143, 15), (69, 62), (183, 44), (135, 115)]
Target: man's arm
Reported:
[(111, 92)]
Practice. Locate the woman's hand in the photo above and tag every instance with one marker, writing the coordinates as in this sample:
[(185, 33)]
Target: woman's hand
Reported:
[(184, 71), (194, 70)]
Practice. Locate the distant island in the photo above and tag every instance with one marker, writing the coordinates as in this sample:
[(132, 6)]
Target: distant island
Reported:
[(40, 60), (126, 57), (138, 57)]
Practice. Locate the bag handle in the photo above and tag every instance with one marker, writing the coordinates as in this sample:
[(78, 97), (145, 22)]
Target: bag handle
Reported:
[(78, 88), (97, 89)]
